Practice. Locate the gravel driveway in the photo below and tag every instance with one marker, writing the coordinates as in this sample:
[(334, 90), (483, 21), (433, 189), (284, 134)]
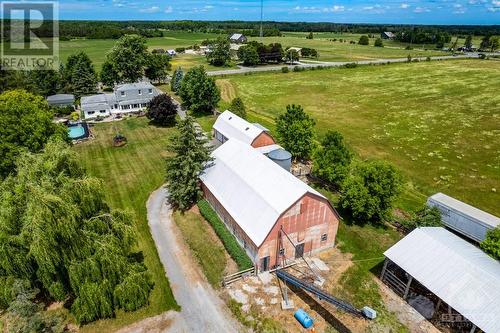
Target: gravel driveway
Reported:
[(201, 308)]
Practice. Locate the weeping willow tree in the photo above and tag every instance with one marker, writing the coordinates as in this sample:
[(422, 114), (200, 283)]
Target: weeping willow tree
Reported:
[(57, 232)]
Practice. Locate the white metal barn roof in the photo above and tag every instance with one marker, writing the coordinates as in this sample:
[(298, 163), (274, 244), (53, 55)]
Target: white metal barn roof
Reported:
[(234, 127), (254, 190), (469, 210), (456, 271), (236, 36)]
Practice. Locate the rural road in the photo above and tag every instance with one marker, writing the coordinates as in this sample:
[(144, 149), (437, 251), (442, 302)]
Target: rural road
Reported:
[(201, 308), (243, 70)]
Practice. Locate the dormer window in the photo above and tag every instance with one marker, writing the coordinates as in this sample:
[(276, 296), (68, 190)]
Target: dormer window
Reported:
[(150, 91), (140, 92), (122, 93)]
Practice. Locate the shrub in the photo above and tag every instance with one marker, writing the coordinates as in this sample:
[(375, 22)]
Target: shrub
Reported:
[(379, 42), (162, 110), (230, 243), (363, 40), (428, 59), (425, 217), (351, 65), (491, 244), (180, 50), (284, 69)]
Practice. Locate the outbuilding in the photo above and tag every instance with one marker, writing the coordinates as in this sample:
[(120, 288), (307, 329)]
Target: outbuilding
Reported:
[(257, 199), (61, 100), (230, 126), (387, 35), (238, 38), (453, 281), (463, 218)]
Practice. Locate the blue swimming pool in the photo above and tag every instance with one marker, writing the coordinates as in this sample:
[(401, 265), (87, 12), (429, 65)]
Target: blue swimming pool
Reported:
[(78, 131)]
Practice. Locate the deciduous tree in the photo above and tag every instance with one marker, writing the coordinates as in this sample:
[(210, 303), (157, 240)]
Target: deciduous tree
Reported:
[(332, 160), (238, 108), (364, 40), (491, 244), (162, 110), (220, 52), (26, 124), (129, 57), (191, 157), (295, 131), (379, 42), (199, 91), (468, 42), (368, 193), (109, 75), (157, 67), (248, 55)]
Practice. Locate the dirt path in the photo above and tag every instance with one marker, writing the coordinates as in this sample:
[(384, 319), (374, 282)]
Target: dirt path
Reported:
[(201, 308)]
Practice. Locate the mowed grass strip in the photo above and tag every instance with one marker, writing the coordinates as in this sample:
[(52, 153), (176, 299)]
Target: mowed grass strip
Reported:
[(130, 174), (207, 251), (438, 121)]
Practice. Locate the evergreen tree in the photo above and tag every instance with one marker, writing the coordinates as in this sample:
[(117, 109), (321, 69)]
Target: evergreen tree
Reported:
[(199, 91), (295, 131), (468, 42), (177, 79), (57, 231), (192, 157), (109, 75), (238, 108), (332, 160)]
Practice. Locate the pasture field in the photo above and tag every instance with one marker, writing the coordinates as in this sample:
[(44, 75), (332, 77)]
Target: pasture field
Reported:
[(438, 121), (130, 174), (97, 49), (337, 51)]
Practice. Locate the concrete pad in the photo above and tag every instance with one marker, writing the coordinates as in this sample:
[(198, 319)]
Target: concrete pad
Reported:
[(265, 277), (285, 306), (239, 296), (272, 290), (248, 289), (320, 264)]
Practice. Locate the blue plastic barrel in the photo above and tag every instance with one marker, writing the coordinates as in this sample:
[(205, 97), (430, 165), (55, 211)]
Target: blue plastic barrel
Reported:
[(303, 318)]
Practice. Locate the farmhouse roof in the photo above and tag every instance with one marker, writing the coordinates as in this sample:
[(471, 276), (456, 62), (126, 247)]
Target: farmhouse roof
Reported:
[(136, 85), (456, 271), (232, 126), (469, 210), (254, 190)]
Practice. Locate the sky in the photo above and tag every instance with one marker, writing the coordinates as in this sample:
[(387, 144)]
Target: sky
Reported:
[(354, 11)]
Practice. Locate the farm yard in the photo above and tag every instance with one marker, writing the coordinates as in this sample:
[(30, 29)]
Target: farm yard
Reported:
[(130, 173), (439, 122)]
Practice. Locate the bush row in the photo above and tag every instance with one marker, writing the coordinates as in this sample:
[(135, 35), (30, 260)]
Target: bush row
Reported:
[(233, 248)]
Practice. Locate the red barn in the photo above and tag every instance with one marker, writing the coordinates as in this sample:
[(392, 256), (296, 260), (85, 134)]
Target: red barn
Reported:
[(255, 198), (230, 126)]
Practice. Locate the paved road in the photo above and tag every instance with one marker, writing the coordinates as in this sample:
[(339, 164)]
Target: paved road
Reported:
[(243, 70), (201, 308)]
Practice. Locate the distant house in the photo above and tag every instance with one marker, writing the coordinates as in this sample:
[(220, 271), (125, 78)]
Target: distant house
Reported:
[(230, 126), (125, 98), (387, 35), (297, 49), (171, 53), (263, 205), (61, 100), (238, 38)]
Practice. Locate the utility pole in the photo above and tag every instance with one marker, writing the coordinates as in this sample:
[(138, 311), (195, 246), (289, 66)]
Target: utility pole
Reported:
[(261, 17)]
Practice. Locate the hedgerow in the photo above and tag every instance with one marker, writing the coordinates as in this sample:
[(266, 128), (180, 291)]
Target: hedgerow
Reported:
[(230, 243)]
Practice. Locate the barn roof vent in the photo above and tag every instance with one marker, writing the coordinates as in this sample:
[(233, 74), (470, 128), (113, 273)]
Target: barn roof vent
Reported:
[(230, 118), (246, 129)]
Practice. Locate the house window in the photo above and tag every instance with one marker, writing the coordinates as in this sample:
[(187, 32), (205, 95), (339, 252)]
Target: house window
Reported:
[(102, 111), (282, 252), (116, 106), (324, 237), (135, 106), (91, 112), (122, 93), (150, 91), (125, 107), (140, 92)]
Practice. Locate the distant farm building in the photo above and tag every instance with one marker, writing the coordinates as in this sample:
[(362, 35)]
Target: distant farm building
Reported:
[(387, 35), (61, 100), (463, 218), (238, 38), (447, 279), (256, 199), (171, 53), (229, 126)]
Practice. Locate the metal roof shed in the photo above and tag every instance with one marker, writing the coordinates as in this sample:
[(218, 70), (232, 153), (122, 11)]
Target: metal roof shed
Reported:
[(463, 218), (456, 271)]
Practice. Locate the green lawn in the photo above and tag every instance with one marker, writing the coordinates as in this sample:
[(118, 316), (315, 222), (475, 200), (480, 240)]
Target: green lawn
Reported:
[(337, 51), (208, 252), (130, 174), (438, 121), (97, 49)]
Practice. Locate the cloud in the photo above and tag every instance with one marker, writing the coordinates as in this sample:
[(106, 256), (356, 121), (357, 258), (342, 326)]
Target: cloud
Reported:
[(404, 5), (421, 10), (168, 9), (458, 9), (375, 9), (334, 9), (150, 10)]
